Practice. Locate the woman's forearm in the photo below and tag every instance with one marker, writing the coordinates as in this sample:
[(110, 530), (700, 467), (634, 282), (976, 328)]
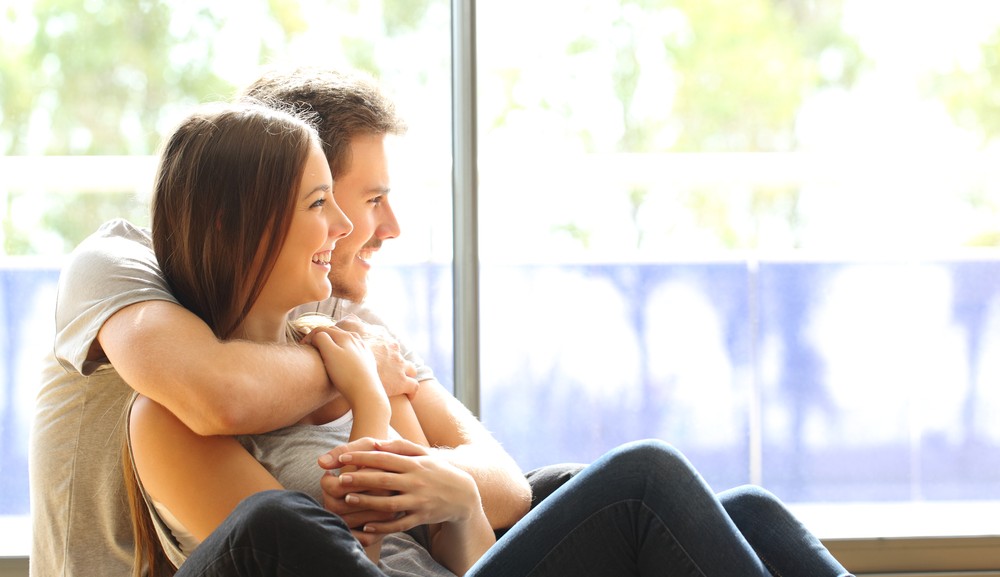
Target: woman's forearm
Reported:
[(459, 544), (371, 419)]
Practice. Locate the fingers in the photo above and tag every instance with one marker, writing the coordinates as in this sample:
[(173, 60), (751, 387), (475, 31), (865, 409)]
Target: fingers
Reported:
[(331, 336), (359, 519), (380, 471), (331, 459), (368, 539), (382, 528), (364, 452), (399, 447)]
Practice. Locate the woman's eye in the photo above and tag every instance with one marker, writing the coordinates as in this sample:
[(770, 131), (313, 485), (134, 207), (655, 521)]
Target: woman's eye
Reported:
[(320, 202)]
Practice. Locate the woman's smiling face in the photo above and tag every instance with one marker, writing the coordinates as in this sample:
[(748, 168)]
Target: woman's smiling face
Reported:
[(303, 264)]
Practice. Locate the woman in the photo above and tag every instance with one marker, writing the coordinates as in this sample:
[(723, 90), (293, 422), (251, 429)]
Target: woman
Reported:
[(242, 248)]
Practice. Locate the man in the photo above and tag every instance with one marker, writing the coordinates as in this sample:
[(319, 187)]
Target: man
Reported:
[(119, 329)]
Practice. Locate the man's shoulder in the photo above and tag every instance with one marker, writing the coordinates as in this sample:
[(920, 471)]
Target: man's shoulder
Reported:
[(116, 243), (118, 235), (111, 269)]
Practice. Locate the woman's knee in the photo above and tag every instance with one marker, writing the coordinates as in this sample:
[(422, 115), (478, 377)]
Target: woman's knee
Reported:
[(652, 455), (752, 501)]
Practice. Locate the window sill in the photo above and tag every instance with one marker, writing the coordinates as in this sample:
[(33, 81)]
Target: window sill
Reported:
[(16, 533), (920, 537)]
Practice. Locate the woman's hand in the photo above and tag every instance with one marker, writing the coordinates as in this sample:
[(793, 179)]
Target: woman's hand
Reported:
[(397, 374), (349, 363), (334, 492), (407, 481), (423, 488)]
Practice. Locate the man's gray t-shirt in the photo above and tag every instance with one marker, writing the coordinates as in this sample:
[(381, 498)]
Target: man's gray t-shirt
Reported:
[(79, 513)]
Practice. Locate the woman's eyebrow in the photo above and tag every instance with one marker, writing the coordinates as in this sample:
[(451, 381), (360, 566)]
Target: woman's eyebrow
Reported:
[(320, 188)]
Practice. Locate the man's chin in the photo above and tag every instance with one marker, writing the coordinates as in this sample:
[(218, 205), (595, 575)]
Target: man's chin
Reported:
[(353, 293)]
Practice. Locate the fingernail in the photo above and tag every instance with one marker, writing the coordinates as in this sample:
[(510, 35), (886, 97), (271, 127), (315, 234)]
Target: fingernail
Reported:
[(346, 458), (327, 460), (346, 479), (369, 529), (353, 500)]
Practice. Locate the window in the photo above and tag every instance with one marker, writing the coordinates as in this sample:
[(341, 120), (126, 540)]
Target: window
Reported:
[(763, 230)]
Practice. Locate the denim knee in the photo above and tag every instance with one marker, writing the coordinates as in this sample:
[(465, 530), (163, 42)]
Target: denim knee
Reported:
[(283, 510), (752, 504), (653, 458)]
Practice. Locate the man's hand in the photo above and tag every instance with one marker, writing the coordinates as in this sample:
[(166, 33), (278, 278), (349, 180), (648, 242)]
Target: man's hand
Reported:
[(397, 374)]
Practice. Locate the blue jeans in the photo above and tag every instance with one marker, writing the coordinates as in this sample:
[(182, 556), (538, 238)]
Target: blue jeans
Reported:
[(279, 534), (640, 510)]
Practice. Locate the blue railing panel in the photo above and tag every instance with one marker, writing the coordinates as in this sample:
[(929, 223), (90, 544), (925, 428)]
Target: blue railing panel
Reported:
[(825, 381)]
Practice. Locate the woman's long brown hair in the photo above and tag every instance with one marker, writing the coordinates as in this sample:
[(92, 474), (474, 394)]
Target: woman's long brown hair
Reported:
[(221, 208)]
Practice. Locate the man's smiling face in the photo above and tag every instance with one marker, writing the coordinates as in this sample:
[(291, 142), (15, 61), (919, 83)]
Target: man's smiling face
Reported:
[(362, 192)]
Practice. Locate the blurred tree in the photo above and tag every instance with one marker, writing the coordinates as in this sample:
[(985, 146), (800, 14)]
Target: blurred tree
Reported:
[(745, 68), (972, 92), (103, 77), (728, 76), (99, 76), (972, 95)]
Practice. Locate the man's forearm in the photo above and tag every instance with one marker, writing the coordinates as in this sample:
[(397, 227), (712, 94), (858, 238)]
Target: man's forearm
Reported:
[(216, 388), (267, 387), (464, 441), (505, 493)]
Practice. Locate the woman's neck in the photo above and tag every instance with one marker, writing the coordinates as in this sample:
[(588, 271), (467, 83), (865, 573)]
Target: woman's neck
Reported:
[(264, 327)]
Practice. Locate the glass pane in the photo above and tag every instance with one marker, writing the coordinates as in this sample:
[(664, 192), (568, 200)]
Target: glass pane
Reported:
[(80, 129), (763, 231)]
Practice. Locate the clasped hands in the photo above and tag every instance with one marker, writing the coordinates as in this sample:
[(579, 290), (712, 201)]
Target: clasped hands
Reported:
[(396, 485), (387, 486)]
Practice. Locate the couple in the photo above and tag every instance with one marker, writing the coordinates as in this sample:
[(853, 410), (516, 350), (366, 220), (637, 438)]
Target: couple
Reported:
[(243, 249)]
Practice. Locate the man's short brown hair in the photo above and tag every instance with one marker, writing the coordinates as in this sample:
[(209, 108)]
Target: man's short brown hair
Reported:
[(343, 105)]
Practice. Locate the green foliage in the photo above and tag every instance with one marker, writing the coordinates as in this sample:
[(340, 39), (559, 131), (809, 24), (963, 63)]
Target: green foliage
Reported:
[(973, 95), (288, 16), (100, 74), (747, 66), (743, 69), (110, 77), (403, 15), (574, 231), (75, 219)]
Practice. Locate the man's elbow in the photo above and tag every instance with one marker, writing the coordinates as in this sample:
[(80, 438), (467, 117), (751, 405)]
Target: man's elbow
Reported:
[(210, 423), (515, 504), (208, 414), (222, 422)]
